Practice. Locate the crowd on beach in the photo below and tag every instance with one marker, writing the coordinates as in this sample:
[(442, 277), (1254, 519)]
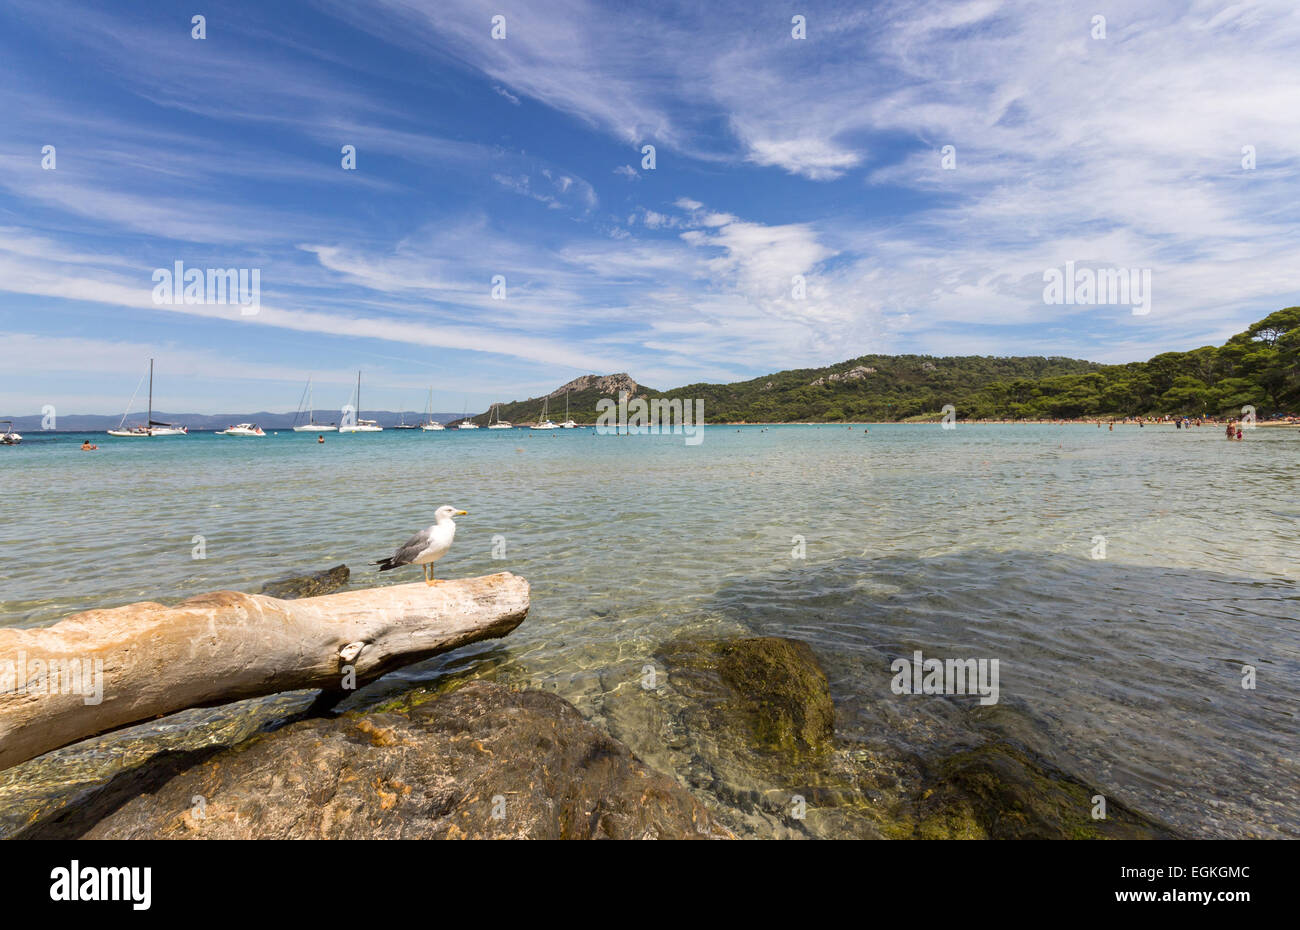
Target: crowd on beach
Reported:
[(1231, 425), (1232, 428)]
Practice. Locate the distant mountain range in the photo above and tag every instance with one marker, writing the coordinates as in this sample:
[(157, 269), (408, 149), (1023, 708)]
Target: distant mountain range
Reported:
[(91, 423)]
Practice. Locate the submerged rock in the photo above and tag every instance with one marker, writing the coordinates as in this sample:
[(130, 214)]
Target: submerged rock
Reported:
[(751, 722), (999, 792), (312, 585), (480, 761), (768, 689)]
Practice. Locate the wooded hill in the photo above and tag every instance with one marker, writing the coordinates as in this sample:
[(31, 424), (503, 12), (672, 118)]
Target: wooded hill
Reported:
[(1260, 367)]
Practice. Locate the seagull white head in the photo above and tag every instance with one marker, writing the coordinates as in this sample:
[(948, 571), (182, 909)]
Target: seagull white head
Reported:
[(444, 514)]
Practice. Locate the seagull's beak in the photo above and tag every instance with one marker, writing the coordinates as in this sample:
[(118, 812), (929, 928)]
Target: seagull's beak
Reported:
[(462, 513)]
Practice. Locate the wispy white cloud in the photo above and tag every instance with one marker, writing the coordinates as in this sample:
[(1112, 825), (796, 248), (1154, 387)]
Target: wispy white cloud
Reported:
[(815, 158)]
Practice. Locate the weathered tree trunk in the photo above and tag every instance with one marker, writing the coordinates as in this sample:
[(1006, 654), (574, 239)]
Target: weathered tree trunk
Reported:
[(152, 660)]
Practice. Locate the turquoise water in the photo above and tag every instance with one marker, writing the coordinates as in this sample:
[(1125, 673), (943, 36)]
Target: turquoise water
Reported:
[(973, 542)]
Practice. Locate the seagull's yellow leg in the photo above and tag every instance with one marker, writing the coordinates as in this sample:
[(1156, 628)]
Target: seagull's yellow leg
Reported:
[(427, 578)]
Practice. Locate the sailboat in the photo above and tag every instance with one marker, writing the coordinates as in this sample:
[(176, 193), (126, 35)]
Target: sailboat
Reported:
[(311, 426), (151, 426), (8, 436), (401, 421), (568, 420), (359, 425), (498, 423), (545, 421), (465, 421), (430, 424)]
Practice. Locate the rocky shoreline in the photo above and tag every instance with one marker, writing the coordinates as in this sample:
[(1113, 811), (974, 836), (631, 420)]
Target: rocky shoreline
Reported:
[(475, 759), (748, 722)]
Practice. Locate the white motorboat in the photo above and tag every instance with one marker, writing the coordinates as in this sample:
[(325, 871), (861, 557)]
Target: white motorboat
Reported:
[(311, 426), (359, 425), (430, 424), (150, 427), (7, 435), (241, 429), (498, 423)]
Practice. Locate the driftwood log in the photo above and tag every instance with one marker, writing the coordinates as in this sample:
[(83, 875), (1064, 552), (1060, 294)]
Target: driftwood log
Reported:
[(146, 660)]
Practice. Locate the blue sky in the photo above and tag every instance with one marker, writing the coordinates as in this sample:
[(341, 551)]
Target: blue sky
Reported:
[(521, 157)]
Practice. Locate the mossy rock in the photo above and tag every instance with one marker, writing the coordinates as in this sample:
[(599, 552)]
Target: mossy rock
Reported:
[(310, 585), (999, 792), (770, 689), (408, 700)]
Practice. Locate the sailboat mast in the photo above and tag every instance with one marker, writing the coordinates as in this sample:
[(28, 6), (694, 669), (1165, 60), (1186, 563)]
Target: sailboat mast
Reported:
[(311, 407), (148, 423), (358, 395)]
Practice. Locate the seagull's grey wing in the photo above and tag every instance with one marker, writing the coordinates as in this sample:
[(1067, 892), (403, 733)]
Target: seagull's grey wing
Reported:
[(410, 549)]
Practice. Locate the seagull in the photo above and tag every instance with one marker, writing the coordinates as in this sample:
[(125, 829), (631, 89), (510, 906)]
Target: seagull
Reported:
[(426, 546)]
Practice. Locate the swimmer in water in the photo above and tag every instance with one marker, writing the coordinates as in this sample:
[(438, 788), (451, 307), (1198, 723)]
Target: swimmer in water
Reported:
[(87, 447), (320, 438)]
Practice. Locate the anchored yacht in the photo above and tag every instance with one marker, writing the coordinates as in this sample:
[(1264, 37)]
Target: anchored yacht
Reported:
[(311, 426), (150, 427), (359, 425), (545, 422), (430, 424)]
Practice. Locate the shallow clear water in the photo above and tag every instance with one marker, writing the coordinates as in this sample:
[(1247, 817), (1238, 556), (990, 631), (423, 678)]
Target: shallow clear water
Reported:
[(973, 542)]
